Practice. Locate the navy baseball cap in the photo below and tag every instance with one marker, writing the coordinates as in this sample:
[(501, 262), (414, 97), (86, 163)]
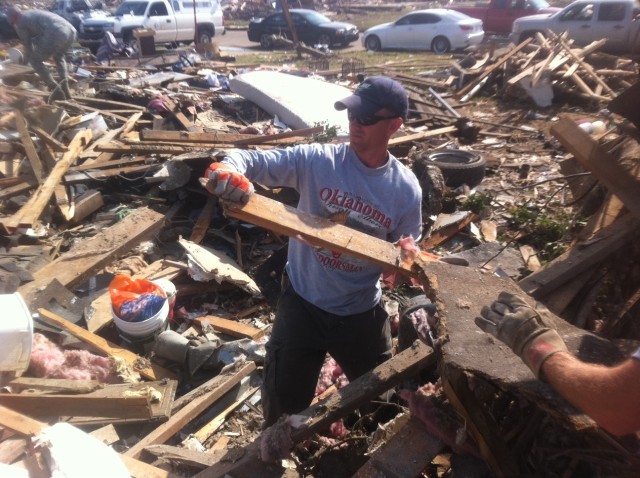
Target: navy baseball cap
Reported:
[(376, 93)]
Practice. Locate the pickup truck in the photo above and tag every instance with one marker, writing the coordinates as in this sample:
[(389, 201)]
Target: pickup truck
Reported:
[(75, 11), (172, 22), (498, 15), (586, 21)]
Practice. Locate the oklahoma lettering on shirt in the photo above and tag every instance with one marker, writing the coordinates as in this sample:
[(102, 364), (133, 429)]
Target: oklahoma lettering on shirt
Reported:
[(383, 202)]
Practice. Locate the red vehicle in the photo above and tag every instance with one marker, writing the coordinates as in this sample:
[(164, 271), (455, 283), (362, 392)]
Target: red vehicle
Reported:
[(498, 15)]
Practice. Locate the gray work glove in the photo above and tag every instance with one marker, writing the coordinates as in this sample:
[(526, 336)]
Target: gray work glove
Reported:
[(522, 328)]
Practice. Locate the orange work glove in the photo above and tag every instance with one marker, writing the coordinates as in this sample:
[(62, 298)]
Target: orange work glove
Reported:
[(227, 183)]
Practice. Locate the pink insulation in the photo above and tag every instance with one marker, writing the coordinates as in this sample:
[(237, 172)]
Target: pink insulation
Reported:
[(425, 403), (49, 360), (330, 374), (275, 441)]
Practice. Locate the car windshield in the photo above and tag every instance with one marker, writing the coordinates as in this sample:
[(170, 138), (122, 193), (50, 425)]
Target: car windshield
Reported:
[(316, 18), (538, 4), (133, 8)]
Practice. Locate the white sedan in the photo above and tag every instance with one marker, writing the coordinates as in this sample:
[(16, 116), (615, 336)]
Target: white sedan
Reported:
[(438, 29)]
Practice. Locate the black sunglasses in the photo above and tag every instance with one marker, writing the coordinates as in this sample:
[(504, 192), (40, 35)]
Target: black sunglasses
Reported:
[(368, 120)]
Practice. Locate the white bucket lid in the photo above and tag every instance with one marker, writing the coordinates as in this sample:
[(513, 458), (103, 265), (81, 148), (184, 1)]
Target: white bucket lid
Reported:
[(16, 333)]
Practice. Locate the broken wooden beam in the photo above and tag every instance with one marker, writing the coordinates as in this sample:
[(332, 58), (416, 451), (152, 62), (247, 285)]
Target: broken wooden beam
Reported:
[(232, 328), (29, 214), (76, 405), (620, 181), (318, 231)]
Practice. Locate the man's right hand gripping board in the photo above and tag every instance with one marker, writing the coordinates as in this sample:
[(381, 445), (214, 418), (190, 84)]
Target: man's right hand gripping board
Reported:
[(224, 181)]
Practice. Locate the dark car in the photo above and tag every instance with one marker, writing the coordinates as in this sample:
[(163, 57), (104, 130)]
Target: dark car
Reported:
[(312, 28), (7, 32)]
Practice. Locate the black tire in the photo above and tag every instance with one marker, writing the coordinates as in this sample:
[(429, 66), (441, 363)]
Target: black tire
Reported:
[(265, 41), (440, 45), (372, 43), (324, 39), (204, 36), (458, 167)]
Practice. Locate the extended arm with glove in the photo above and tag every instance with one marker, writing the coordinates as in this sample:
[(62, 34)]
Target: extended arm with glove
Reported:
[(522, 328), (225, 182)]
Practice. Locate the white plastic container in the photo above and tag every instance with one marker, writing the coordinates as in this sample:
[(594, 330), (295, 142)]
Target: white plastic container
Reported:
[(148, 328), (16, 333), (169, 289)]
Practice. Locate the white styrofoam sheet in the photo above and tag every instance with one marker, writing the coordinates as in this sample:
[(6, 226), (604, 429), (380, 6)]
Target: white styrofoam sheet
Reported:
[(298, 102)]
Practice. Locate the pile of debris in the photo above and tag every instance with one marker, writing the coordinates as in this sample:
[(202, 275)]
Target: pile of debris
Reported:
[(106, 184)]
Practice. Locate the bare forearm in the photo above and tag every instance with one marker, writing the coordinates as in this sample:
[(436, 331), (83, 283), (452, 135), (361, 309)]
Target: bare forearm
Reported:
[(611, 396)]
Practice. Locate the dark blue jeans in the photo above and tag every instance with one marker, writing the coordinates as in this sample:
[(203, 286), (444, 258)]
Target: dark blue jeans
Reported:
[(301, 337)]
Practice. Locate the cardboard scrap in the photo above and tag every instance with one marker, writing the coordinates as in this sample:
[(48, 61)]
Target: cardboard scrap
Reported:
[(206, 264)]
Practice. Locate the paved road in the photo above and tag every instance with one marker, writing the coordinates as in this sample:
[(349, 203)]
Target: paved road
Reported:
[(235, 42)]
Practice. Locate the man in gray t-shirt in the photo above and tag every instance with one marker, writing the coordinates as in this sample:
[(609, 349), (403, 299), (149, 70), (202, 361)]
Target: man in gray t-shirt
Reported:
[(332, 300), (44, 35)]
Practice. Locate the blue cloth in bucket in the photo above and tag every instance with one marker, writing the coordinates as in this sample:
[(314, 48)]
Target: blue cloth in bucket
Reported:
[(142, 308)]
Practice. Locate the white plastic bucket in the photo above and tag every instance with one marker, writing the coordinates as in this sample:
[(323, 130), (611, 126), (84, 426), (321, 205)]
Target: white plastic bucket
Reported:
[(144, 328), (16, 333), (170, 290)]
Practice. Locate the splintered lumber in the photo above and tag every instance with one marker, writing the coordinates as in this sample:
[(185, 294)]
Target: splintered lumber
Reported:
[(11, 449), (144, 148), (20, 423), (179, 115), (581, 258), (90, 255), (102, 315), (55, 385), (423, 135), (406, 453), (595, 158), (267, 138), (29, 147), (76, 405), (143, 367), (196, 459), (192, 137), (203, 221), (318, 231), (319, 416), (46, 138), (161, 395), (110, 103), (210, 428), (230, 327), (28, 215), (190, 411), (485, 74)]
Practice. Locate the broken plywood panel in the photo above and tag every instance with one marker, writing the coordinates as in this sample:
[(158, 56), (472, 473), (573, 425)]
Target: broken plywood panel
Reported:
[(84, 260)]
